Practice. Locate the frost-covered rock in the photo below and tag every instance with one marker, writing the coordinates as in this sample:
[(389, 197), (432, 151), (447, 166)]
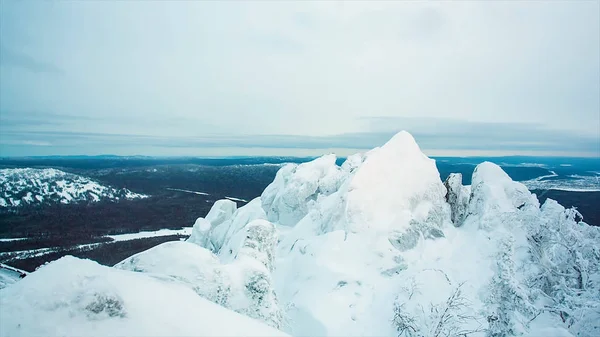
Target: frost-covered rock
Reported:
[(352, 163), (257, 240), (457, 197), (224, 232), (221, 211), (73, 297), (494, 194), (296, 188), (397, 190), (240, 280)]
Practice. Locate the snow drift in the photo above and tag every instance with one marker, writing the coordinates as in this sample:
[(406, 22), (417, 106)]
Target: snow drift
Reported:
[(379, 246), (73, 297)]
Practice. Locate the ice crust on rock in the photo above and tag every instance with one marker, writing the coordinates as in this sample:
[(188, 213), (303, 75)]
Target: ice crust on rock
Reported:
[(296, 188), (379, 246), (221, 211), (495, 194)]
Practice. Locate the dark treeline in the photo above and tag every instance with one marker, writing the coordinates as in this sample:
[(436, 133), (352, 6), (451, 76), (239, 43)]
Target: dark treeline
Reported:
[(107, 254)]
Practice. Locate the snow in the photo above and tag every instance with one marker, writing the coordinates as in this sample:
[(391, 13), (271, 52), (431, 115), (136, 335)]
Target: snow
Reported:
[(396, 185), (221, 211), (573, 183), (73, 297), (295, 188), (240, 282), (379, 247), (151, 234), (11, 239), (236, 199), (54, 186), (187, 191), (186, 231), (28, 198), (9, 275)]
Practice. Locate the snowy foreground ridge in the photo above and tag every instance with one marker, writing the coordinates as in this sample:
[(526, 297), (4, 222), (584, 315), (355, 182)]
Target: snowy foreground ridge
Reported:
[(379, 246)]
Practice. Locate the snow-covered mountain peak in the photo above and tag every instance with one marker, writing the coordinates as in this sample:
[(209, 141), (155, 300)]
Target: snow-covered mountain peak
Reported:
[(396, 184), (29, 186)]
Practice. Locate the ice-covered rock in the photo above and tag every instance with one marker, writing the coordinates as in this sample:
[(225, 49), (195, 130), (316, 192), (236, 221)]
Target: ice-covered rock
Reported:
[(225, 231), (353, 162), (296, 188), (493, 191), (457, 197), (221, 211), (242, 282), (73, 297), (397, 185), (397, 191)]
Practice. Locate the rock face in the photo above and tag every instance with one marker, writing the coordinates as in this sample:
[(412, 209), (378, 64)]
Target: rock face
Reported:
[(457, 197)]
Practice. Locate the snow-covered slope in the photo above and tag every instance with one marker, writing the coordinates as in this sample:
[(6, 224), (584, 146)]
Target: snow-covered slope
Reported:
[(73, 297), (9, 275), (25, 186), (381, 247)]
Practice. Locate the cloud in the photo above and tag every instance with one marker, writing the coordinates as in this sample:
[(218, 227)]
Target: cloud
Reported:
[(449, 135), (13, 58), (485, 76)]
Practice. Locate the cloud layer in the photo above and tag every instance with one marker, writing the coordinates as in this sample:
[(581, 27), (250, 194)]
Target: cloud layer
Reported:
[(188, 77)]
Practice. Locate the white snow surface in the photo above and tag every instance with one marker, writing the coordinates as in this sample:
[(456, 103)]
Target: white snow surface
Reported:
[(371, 249), (21, 186), (73, 297), (151, 234)]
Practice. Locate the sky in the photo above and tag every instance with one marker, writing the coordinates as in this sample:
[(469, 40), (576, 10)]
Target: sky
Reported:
[(217, 78)]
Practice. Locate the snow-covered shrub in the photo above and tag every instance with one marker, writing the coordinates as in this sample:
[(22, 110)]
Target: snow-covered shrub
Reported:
[(452, 317), (509, 301)]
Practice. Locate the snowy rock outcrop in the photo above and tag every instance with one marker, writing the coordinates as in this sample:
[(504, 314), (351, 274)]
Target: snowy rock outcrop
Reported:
[(494, 193), (221, 211), (457, 197), (239, 280), (296, 188), (397, 190)]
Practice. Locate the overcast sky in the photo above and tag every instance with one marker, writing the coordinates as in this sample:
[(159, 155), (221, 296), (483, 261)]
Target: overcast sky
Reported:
[(296, 78)]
